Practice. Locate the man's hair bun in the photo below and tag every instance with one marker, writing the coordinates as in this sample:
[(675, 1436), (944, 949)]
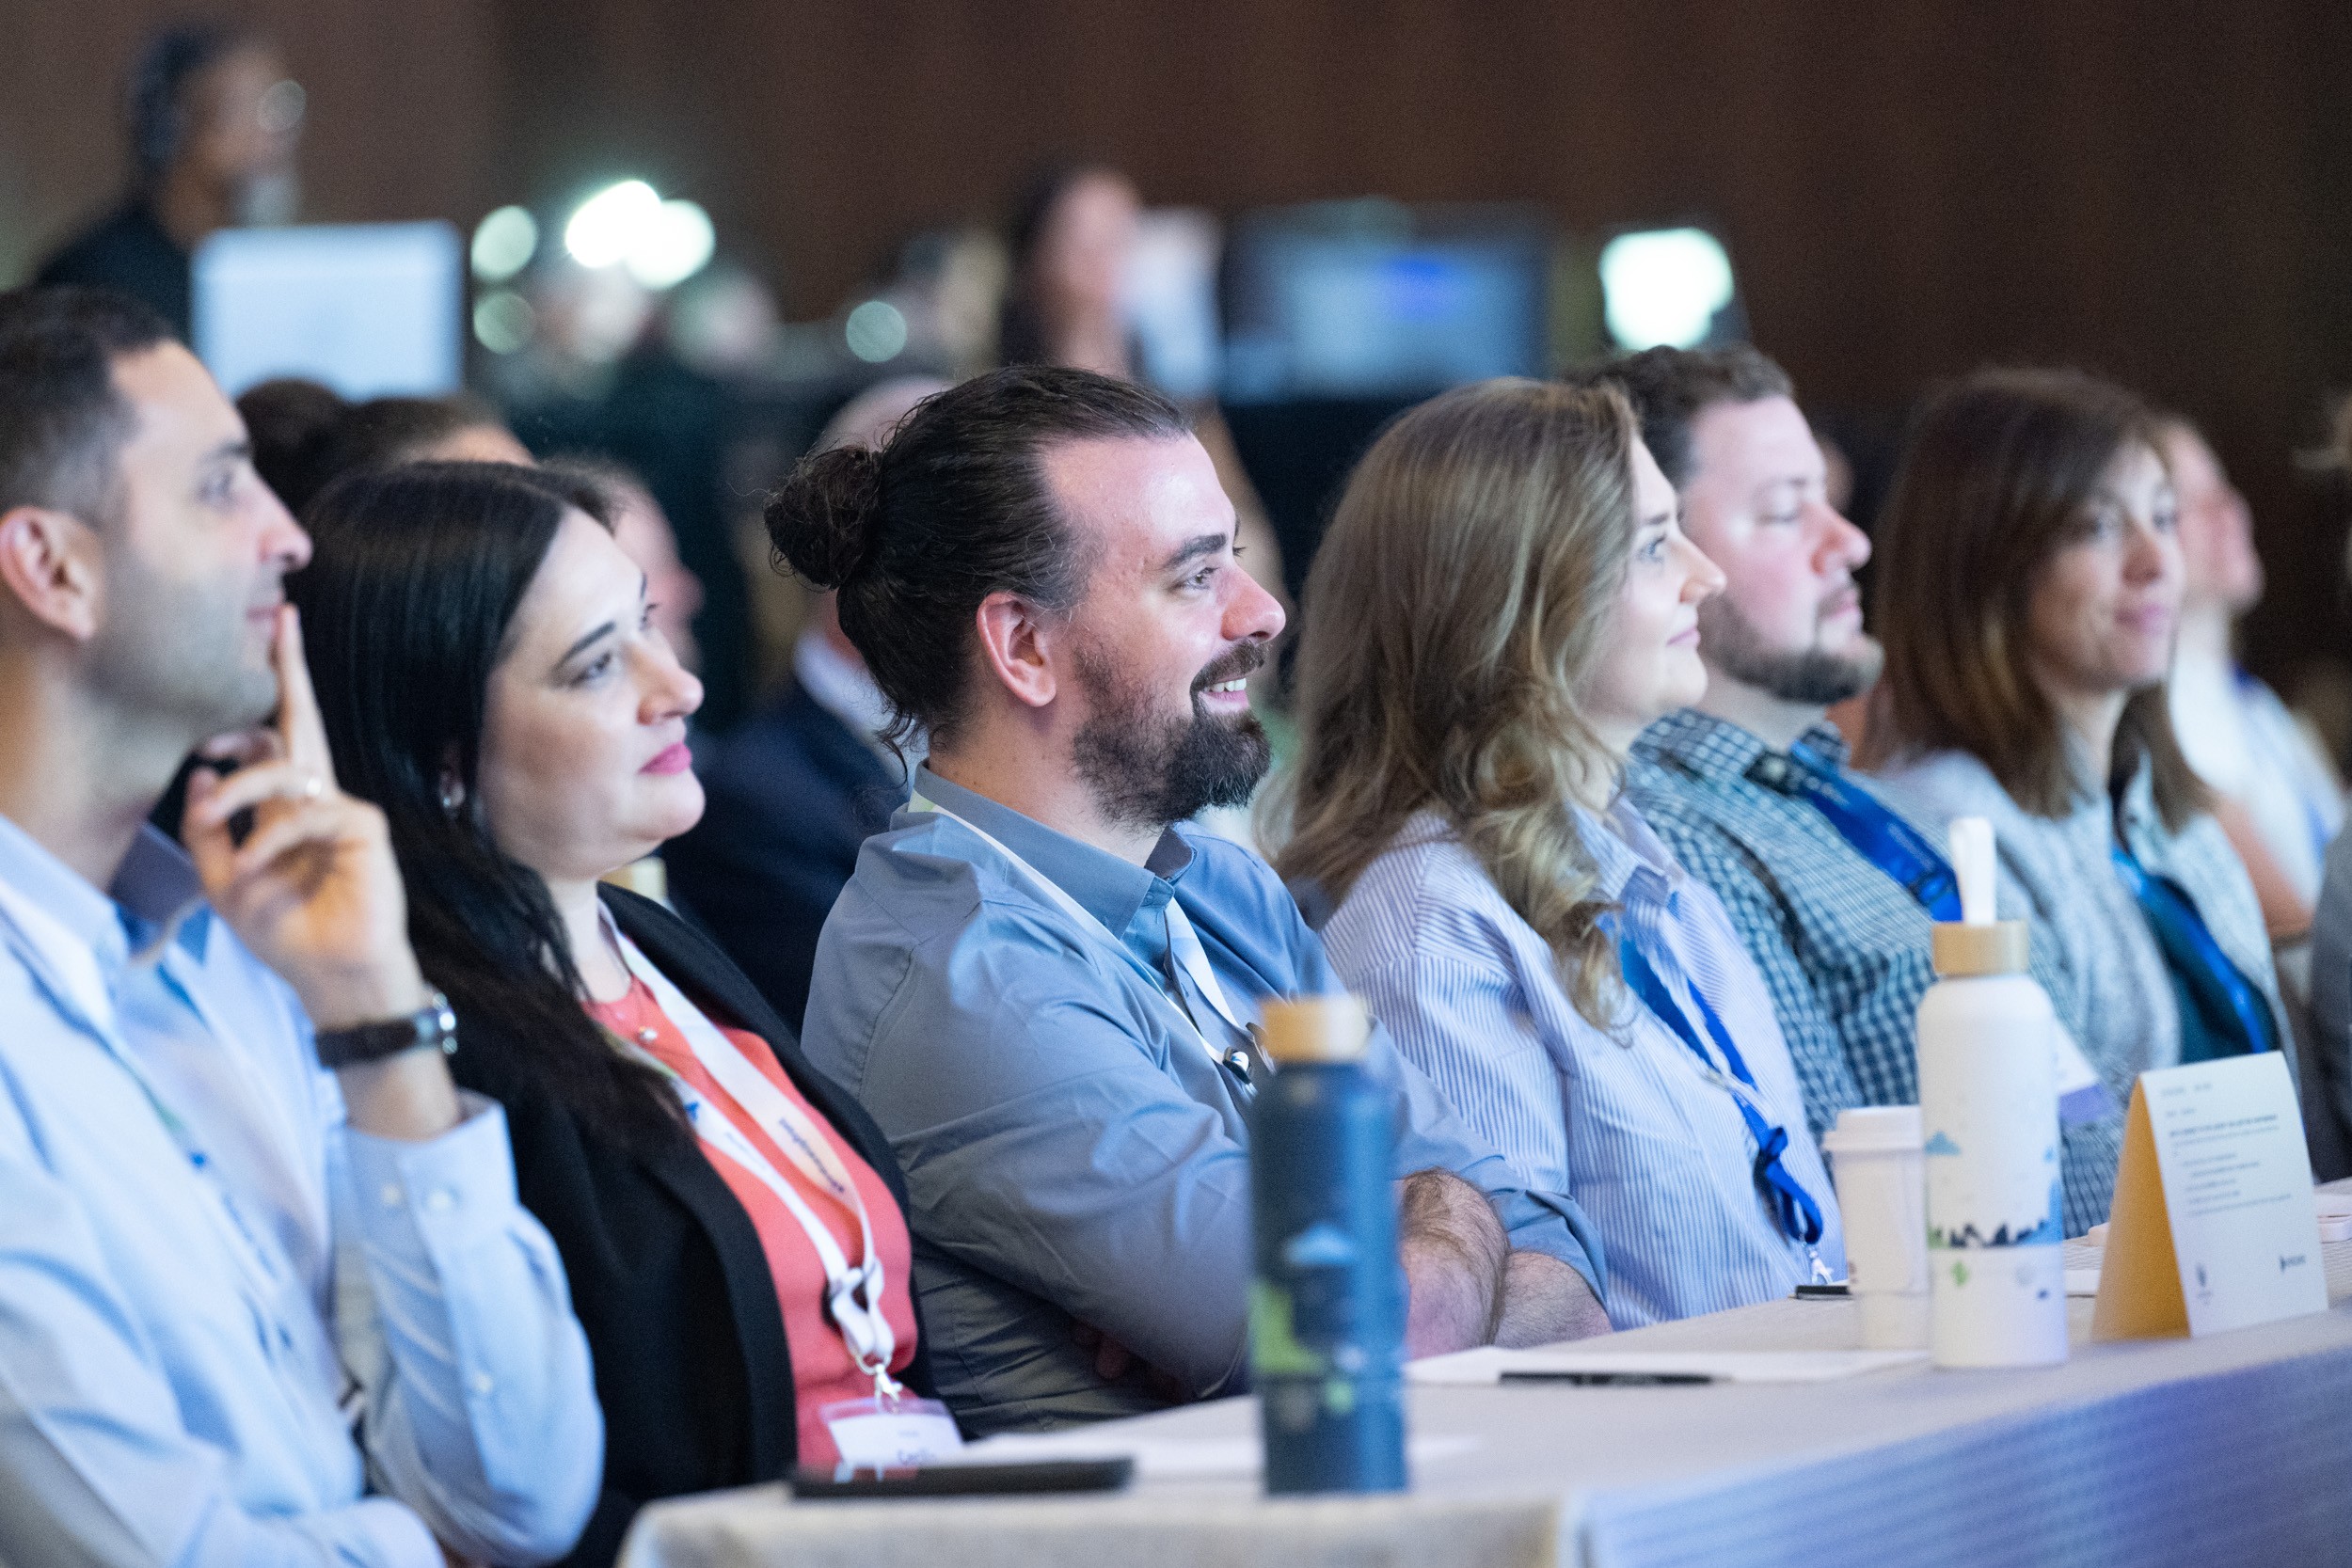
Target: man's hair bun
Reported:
[(822, 519)]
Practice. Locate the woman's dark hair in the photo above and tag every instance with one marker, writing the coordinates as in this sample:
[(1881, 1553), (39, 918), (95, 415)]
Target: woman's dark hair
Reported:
[(955, 508), (2000, 470), (1019, 329), (305, 435), (407, 606)]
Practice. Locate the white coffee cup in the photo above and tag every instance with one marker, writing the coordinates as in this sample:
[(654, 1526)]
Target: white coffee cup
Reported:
[(1875, 1159)]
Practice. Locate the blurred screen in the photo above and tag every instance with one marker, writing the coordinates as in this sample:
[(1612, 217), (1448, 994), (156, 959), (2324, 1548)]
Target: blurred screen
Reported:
[(371, 309), (1171, 301), (1377, 301)]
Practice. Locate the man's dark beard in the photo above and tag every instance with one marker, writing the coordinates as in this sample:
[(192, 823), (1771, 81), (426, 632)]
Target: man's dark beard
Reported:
[(1148, 772), (1812, 675)]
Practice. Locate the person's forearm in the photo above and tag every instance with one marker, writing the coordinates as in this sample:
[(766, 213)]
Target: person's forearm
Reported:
[(1545, 1301), (1454, 1251)]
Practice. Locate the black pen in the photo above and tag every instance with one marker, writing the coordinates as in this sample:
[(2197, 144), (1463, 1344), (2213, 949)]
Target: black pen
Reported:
[(1608, 1380)]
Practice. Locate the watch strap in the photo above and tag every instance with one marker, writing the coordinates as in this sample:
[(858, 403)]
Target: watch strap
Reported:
[(430, 1025)]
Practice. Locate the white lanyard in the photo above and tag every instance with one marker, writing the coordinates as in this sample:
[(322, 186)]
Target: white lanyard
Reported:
[(1183, 941), (853, 1295)]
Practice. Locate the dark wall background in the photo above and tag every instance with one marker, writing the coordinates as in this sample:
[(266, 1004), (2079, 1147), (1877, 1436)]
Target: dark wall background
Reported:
[(2162, 191)]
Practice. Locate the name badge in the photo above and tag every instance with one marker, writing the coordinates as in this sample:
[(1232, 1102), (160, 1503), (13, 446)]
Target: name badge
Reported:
[(891, 1434)]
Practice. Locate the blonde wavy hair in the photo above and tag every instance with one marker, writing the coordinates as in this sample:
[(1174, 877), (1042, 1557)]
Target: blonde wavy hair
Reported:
[(1459, 601)]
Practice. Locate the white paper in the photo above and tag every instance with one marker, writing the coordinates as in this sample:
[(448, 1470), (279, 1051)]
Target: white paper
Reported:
[(2237, 1188), (1488, 1364), (1170, 1458)]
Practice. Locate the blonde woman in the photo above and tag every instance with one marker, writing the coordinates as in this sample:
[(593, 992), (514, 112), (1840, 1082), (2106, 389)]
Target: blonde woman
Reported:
[(1503, 602)]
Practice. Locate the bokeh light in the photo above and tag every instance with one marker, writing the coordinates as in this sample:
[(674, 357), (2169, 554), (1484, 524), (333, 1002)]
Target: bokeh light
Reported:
[(672, 246), (503, 244), (609, 222), (1664, 286), (502, 321), (876, 331)]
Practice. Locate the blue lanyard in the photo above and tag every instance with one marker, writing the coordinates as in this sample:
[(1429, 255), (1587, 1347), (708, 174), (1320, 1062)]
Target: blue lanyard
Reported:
[(1799, 1216), (1882, 837), (2182, 936)]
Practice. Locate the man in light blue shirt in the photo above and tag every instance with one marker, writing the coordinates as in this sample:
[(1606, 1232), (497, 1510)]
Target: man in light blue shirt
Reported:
[(251, 1311), (1043, 986)]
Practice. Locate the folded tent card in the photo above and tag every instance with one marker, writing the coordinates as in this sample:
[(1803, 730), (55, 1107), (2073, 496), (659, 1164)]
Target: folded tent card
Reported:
[(2214, 1224)]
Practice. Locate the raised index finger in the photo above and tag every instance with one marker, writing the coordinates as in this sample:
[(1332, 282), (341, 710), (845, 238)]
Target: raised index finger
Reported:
[(301, 728)]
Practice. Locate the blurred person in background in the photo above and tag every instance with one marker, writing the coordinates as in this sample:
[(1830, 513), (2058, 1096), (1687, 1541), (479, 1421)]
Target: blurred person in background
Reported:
[(307, 435), (2274, 791), (491, 673), (1072, 244), (2027, 592), (215, 121), (1834, 892), (1503, 604), (797, 789)]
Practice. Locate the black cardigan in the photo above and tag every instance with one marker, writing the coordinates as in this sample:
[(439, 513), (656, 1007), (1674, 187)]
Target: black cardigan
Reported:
[(667, 1272)]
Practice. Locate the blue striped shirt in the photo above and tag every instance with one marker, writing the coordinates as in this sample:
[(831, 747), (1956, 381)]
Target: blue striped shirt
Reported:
[(1628, 1121)]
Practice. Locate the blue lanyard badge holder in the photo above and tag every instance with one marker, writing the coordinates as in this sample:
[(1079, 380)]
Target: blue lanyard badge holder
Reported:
[(1793, 1209)]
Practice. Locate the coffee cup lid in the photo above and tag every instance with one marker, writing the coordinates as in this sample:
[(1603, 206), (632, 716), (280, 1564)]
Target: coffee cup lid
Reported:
[(1875, 1129)]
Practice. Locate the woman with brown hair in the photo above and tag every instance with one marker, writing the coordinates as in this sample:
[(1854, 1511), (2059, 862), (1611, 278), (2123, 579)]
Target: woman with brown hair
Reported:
[(2028, 594), (1503, 603)]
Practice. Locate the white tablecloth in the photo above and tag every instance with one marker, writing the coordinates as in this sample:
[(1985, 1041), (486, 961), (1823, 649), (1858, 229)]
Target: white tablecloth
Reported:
[(2234, 1449)]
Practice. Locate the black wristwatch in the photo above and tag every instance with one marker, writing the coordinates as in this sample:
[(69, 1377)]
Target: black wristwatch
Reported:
[(432, 1025)]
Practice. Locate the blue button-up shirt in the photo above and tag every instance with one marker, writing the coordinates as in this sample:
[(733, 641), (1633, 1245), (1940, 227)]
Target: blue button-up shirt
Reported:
[(205, 1275), (1627, 1119), (1073, 1154)]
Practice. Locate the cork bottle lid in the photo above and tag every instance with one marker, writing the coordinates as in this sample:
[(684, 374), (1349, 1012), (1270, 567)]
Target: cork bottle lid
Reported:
[(1316, 1029), (1994, 947)]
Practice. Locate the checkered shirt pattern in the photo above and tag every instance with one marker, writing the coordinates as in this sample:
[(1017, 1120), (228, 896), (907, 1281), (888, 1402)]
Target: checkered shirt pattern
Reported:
[(1842, 946)]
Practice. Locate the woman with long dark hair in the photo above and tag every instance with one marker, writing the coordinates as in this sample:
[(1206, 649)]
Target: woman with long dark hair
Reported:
[(2027, 588), (733, 1226)]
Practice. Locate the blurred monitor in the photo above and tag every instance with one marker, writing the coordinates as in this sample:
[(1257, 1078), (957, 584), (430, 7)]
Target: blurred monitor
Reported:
[(1373, 299), (371, 309), (1171, 301)]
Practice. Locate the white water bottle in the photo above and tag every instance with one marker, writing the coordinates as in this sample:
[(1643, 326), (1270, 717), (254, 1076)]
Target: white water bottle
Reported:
[(1988, 1104)]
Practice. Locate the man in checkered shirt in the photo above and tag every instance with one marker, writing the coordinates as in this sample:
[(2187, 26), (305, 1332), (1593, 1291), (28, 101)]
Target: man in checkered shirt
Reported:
[(1838, 925)]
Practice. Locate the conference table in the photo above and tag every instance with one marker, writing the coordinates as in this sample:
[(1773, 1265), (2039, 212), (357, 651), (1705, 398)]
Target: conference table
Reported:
[(2232, 1448)]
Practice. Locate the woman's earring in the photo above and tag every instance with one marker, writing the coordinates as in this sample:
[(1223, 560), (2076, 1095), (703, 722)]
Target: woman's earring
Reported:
[(453, 796)]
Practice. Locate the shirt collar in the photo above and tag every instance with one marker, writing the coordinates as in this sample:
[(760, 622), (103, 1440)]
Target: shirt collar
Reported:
[(160, 897), (1720, 751), (1111, 889), (63, 894), (155, 896), (1630, 860)]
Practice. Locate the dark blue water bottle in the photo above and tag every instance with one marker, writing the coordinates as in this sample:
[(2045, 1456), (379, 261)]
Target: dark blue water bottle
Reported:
[(1327, 1308)]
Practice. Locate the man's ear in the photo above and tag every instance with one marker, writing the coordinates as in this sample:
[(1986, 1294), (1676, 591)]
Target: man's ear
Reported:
[(1018, 647), (48, 565)]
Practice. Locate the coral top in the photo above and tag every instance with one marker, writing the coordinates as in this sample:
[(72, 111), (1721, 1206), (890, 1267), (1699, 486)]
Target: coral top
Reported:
[(823, 1371)]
